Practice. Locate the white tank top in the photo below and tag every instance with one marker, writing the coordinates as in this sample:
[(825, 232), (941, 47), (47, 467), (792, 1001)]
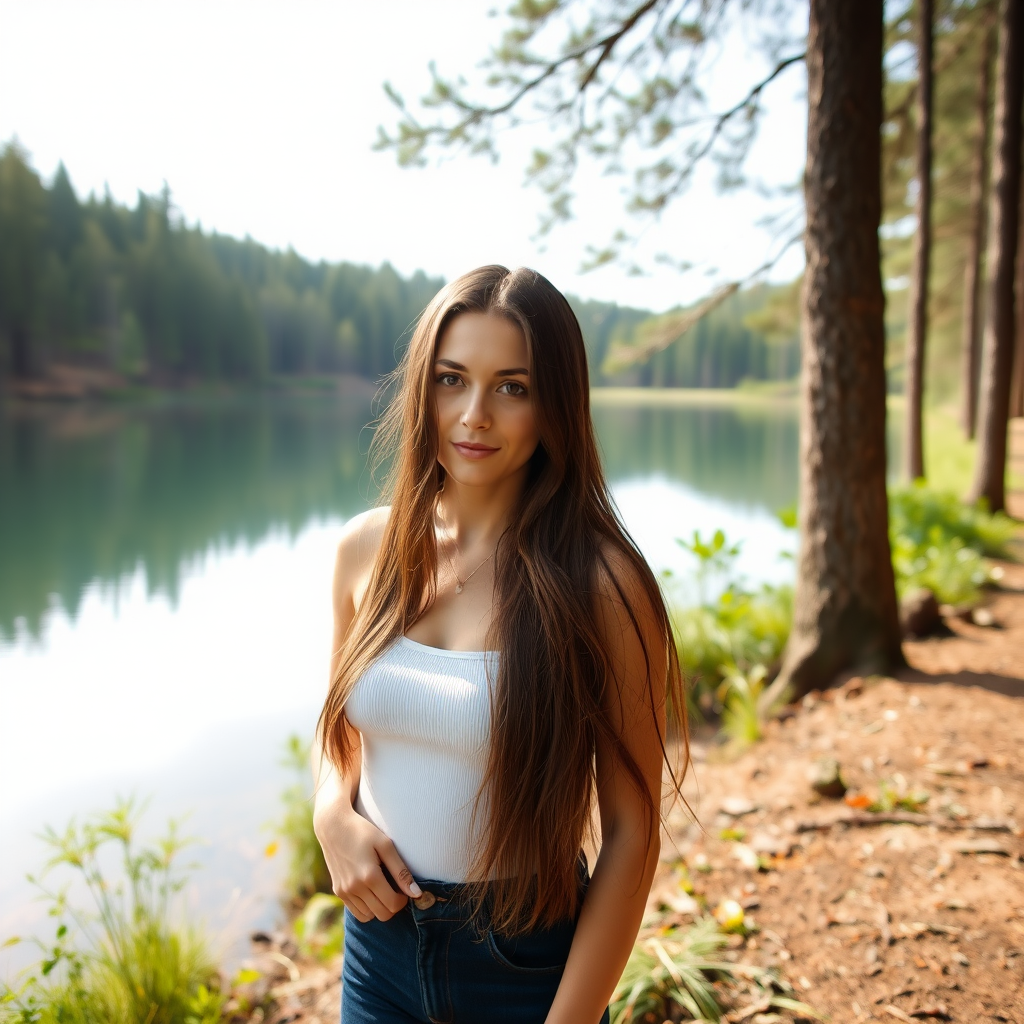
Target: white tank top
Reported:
[(424, 715)]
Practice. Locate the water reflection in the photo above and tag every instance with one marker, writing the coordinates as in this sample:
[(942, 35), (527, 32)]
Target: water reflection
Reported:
[(90, 495), (742, 454)]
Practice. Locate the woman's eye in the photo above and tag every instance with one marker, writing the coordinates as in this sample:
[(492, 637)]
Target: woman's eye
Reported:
[(512, 387), (448, 379)]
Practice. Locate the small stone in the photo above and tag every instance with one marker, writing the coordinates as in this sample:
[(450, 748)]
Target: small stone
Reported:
[(746, 856), (737, 806), (982, 617), (959, 958), (771, 846), (875, 871), (919, 613), (826, 779)]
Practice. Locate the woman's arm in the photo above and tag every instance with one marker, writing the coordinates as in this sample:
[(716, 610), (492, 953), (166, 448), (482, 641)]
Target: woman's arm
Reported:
[(354, 848), (630, 843)]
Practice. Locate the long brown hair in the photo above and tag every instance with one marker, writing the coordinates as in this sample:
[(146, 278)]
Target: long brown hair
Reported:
[(549, 698)]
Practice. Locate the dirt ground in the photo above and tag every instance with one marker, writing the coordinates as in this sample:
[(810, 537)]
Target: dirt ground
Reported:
[(870, 916)]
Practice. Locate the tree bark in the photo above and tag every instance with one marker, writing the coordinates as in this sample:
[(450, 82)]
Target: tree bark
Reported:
[(917, 321), (1004, 214), (973, 275), (845, 611), (1017, 378)]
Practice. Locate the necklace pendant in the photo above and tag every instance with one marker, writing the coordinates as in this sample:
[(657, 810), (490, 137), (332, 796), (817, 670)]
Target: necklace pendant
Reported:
[(458, 588)]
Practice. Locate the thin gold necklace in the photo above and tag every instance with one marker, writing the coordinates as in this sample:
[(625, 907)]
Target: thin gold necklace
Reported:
[(460, 583)]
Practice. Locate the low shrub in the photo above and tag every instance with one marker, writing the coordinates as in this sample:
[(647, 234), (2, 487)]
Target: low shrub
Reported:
[(939, 543), (739, 631)]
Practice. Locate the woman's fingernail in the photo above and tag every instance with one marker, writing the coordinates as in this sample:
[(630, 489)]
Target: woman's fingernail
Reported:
[(415, 889)]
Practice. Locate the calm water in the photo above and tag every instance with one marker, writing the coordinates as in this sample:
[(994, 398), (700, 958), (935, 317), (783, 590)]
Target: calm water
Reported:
[(165, 601)]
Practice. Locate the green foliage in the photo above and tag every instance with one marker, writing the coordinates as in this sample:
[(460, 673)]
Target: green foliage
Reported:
[(126, 959), (307, 869), (739, 631), (939, 542), (678, 971), (139, 291), (320, 928), (892, 798), (742, 695)]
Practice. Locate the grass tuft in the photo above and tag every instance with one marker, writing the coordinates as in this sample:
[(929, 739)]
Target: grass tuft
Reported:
[(682, 971), (126, 959)]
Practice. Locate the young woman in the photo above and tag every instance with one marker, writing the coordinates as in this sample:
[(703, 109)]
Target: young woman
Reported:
[(502, 661)]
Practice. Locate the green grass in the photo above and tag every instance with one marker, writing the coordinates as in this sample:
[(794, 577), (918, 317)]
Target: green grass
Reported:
[(682, 970), (127, 959)]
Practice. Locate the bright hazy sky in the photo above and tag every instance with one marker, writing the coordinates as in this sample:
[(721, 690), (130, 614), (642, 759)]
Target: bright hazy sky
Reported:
[(261, 116)]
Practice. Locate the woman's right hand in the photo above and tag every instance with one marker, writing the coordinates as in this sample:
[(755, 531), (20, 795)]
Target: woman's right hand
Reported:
[(355, 849)]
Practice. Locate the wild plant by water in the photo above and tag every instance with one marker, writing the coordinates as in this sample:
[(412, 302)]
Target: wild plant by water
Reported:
[(738, 633), (128, 958), (307, 869)]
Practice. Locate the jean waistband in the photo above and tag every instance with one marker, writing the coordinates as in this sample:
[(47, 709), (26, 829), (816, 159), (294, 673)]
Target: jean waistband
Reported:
[(440, 894)]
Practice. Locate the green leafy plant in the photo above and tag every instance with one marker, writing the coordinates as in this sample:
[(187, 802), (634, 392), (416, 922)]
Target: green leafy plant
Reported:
[(741, 630), (320, 928), (938, 542), (746, 703), (126, 959), (307, 869), (681, 970), (716, 557), (890, 798)]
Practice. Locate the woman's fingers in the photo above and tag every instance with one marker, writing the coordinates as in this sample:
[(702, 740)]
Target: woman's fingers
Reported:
[(382, 904), (399, 872), (357, 908)]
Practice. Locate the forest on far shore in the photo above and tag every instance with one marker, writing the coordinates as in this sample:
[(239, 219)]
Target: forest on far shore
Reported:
[(162, 303)]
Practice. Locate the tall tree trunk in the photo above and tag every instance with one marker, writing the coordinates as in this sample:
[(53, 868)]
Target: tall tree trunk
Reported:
[(997, 351), (973, 277), (845, 614), (917, 321), (1017, 378)]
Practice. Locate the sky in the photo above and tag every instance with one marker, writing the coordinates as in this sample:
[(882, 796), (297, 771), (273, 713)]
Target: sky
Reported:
[(261, 117)]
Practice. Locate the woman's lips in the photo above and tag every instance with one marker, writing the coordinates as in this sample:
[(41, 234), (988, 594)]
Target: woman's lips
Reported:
[(471, 450)]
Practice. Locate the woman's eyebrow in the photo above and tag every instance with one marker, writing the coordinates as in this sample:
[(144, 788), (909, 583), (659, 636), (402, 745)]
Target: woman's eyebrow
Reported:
[(521, 371)]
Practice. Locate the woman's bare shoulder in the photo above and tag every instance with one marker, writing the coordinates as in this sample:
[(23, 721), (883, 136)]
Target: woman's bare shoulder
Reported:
[(358, 545), (625, 605)]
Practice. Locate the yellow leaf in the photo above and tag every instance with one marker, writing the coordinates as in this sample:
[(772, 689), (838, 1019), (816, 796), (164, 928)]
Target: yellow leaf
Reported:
[(271, 849)]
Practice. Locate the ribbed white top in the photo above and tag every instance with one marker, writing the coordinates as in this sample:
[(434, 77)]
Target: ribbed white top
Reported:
[(424, 715)]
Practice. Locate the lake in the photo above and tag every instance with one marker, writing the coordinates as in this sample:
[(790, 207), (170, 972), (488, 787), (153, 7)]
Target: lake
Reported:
[(165, 600)]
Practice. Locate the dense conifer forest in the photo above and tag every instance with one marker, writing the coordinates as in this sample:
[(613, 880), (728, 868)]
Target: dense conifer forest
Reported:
[(141, 292)]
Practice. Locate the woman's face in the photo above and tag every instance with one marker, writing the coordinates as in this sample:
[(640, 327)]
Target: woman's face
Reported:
[(485, 418)]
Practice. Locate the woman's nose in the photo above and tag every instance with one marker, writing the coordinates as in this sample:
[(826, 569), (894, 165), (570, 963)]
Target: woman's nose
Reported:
[(475, 414)]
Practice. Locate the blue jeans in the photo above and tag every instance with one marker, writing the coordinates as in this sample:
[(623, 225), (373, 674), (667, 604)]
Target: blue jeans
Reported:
[(436, 966)]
